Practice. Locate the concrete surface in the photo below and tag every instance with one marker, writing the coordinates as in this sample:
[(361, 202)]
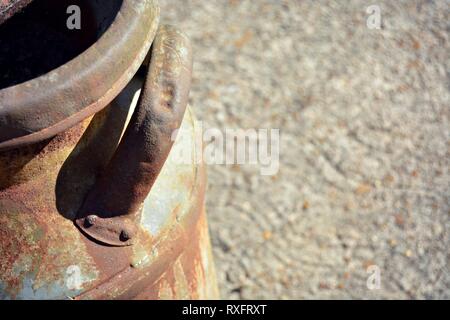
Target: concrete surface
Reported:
[(364, 118)]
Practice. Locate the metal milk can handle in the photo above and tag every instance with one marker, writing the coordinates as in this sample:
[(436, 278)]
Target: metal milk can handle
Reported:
[(112, 209)]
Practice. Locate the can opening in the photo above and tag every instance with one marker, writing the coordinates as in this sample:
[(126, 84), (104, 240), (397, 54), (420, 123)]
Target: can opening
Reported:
[(38, 40)]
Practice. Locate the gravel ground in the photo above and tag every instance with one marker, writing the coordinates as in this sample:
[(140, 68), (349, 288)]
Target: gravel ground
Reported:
[(364, 116)]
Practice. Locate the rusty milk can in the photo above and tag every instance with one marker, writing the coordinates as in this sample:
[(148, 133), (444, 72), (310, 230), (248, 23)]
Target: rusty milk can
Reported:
[(91, 207)]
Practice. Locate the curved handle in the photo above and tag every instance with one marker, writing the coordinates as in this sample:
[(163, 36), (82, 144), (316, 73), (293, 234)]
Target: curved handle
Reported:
[(112, 209)]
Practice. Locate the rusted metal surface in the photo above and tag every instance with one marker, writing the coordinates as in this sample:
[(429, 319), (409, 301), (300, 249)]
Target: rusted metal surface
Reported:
[(112, 210), (142, 214), (97, 76), (9, 7), (37, 244), (42, 250)]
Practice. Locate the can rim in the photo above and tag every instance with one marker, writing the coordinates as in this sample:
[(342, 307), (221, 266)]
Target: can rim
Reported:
[(10, 7), (43, 107)]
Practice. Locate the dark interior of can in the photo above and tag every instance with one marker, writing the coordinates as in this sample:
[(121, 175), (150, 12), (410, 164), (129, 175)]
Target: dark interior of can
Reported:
[(38, 40)]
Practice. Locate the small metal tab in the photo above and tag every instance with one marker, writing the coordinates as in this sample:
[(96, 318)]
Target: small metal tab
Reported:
[(116, 231)]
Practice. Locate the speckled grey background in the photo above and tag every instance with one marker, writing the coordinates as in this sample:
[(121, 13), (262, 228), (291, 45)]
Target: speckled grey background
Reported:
[(364, 119)]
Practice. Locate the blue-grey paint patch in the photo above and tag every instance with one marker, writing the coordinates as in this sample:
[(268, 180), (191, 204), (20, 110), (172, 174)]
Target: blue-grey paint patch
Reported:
[(57, 290), (166, 195)]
